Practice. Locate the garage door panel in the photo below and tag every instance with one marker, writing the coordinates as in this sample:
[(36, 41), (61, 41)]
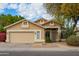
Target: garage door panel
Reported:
[(22, 37)]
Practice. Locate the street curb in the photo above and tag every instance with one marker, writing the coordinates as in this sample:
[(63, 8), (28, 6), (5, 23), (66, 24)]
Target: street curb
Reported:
[(39, 49)]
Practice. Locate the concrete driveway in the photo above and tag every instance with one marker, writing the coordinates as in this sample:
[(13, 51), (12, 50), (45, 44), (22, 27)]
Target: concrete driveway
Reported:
[(36, 45)]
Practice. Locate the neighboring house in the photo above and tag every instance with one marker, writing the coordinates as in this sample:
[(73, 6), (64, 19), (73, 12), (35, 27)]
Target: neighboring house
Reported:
[(25, 31)]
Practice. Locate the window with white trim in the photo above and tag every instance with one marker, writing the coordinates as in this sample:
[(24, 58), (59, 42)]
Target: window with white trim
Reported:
[(37, 34), (41, 21), (24, 24), (51, 23)]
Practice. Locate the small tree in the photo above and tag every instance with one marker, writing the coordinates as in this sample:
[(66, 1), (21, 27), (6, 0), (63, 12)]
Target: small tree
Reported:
[(2, 28), (7, 20), (65, 10)]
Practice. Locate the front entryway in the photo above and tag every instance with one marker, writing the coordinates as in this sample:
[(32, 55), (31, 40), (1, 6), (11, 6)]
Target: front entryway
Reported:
[(51, 34)]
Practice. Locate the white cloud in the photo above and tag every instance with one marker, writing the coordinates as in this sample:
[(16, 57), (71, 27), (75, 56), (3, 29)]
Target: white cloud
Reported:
[(38, 8), (29, 11), (41, 11), (12, 6), (3, 6), (47, 16), (32, 10)]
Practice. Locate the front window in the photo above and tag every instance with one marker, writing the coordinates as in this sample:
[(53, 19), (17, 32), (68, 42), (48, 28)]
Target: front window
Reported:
[(51, 23), (38, 35), (41, 22), (24, 25)]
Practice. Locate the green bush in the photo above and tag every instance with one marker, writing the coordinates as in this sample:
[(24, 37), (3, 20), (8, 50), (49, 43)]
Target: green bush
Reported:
[(73, 40)]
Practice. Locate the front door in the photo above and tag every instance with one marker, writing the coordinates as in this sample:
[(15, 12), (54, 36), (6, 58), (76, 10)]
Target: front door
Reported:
[(47, 36), (51, 35), (54, 35)]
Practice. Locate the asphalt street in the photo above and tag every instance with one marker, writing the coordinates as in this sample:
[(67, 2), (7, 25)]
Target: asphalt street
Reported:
[(39, 53)]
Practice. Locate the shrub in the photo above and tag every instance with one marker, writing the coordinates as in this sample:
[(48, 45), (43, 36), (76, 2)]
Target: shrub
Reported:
[(73, 40), (68, 32)]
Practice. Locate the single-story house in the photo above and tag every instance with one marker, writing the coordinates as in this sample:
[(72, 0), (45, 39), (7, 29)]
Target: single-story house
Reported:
[(25, 31)]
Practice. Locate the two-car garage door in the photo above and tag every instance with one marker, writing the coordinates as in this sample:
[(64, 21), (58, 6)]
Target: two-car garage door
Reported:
[(21, 37)]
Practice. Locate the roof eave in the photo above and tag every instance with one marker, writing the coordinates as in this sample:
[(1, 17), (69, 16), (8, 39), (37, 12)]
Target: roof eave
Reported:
[(20, 21)]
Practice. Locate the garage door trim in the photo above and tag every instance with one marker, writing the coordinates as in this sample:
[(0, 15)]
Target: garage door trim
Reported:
[(9, 31), (25, 37)]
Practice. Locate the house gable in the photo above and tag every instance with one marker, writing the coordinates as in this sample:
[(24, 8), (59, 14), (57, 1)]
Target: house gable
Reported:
[(24, 25), (26, 30), (50, 24), (40, 21)]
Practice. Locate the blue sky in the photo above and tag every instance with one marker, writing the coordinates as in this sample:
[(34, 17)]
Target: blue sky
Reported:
[(30, 11)]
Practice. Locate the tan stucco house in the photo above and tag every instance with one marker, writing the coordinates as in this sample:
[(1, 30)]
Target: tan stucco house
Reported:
[(24, 31)]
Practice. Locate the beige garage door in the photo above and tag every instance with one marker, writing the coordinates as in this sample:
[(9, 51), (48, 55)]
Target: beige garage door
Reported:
[(22, 37)]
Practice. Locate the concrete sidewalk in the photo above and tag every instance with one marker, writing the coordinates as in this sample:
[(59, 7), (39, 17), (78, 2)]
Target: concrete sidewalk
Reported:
[(39, 49), (35, 47)]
